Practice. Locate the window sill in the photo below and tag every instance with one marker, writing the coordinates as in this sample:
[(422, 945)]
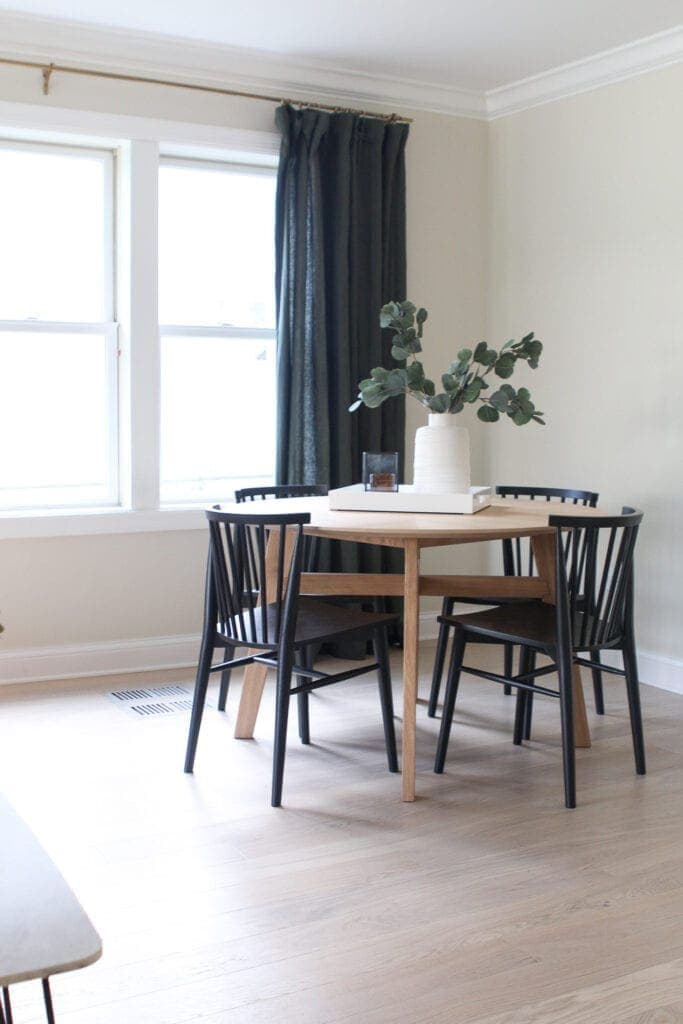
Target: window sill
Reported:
[(80, 523)]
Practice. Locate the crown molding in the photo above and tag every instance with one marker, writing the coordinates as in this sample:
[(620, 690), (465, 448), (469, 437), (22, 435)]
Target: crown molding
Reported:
[(602, 69), (30, 37)]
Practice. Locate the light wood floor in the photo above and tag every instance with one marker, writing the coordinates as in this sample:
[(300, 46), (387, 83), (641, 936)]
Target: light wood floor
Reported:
[(484, 902)]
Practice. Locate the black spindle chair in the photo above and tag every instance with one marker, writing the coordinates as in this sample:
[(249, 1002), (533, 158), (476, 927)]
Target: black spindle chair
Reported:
[(593, 612), (252, 600), (518, 560), (248, 494)]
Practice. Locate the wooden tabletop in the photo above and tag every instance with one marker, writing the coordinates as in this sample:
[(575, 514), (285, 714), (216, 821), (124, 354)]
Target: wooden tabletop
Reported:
[(43, 928), (503, 518)]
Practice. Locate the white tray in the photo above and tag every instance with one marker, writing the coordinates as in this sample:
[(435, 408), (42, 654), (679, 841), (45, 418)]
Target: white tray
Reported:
[(356, 498)]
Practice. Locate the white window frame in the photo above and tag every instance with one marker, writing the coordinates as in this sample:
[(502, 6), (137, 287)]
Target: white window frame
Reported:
[(108, 327), (139, 143), (226, 331)]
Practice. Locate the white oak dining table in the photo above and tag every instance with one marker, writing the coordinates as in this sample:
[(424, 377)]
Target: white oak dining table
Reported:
[(504, 518)]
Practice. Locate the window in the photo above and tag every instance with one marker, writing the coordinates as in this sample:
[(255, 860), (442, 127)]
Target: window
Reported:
[(217, 314), (58, 340)]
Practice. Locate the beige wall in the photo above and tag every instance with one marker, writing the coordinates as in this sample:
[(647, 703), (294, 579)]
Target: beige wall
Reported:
[(586, 248), (567, 219), (94, 589)]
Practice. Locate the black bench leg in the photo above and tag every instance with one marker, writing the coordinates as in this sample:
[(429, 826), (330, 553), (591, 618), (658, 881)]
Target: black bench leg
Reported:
[(47, 996)]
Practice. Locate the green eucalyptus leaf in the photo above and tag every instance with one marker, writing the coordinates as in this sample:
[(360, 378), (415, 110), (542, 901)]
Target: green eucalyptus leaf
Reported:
[(499, 400), (472, 391), (374, 401), (487, 414), (379, 373), (428, 387), (464, 355), (505, 365), (399, 354), (479, 352), (521, 418), (457, 404), (449, 382), (421, 315), (439, 403)]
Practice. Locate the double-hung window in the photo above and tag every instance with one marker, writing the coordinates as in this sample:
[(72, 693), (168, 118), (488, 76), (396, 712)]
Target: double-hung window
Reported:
[(216, 308), (58, 339)]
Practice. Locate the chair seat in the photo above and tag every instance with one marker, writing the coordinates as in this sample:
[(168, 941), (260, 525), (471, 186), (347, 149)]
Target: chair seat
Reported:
[(316, 622), (529, 622)]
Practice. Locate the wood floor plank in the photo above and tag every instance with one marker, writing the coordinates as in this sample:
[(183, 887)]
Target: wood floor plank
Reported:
[(484, 902)]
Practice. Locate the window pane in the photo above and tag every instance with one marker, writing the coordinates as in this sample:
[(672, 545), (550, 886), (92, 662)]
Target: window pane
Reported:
[(217, 416), (216, 246), (53, 420), (52, 242)]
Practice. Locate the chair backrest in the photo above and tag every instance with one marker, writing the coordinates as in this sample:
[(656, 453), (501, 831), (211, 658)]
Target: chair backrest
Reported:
[(518, 557), (280, 491), (253, 574), (595, 575), (311, 544)]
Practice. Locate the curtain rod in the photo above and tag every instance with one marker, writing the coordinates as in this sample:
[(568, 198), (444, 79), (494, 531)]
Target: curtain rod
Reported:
[(48, 70)]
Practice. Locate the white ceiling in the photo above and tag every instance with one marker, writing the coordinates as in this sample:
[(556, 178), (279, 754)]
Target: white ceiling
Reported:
[(475, 45)]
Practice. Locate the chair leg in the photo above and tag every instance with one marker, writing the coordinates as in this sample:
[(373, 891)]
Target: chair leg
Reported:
[(633, 692), (224, 687), (564, 662), (440, 656), (508, 666), (200, 687), (302, 700), (597, 684), (522, 702), (381, 645), (530, 699), (452, 683), (282, 698)]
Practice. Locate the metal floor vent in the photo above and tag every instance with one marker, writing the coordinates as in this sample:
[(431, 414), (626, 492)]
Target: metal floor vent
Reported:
[(166, 707), (149, 693), (154, 700)]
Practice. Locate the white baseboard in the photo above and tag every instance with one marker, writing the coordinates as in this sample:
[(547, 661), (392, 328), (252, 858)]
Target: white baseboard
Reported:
[(653, 669), (71, 661), (68, 661)]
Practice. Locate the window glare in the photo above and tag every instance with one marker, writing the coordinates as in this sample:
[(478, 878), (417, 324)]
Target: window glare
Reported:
[(217, 416), (52, 419), (216, 246), (52, 214)]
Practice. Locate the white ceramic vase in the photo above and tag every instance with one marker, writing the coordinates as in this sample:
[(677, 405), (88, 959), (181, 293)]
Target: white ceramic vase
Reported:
[(442, 456)]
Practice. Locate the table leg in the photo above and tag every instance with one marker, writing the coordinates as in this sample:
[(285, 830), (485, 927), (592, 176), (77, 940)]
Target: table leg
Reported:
[(582, 733), (544, 555), (255, 675), (411, 637)]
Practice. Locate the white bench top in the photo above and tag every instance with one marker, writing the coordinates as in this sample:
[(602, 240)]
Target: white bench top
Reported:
[(43, 928)]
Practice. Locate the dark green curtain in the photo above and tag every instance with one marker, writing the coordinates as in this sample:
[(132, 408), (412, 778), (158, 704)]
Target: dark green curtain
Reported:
[(340, 255)]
